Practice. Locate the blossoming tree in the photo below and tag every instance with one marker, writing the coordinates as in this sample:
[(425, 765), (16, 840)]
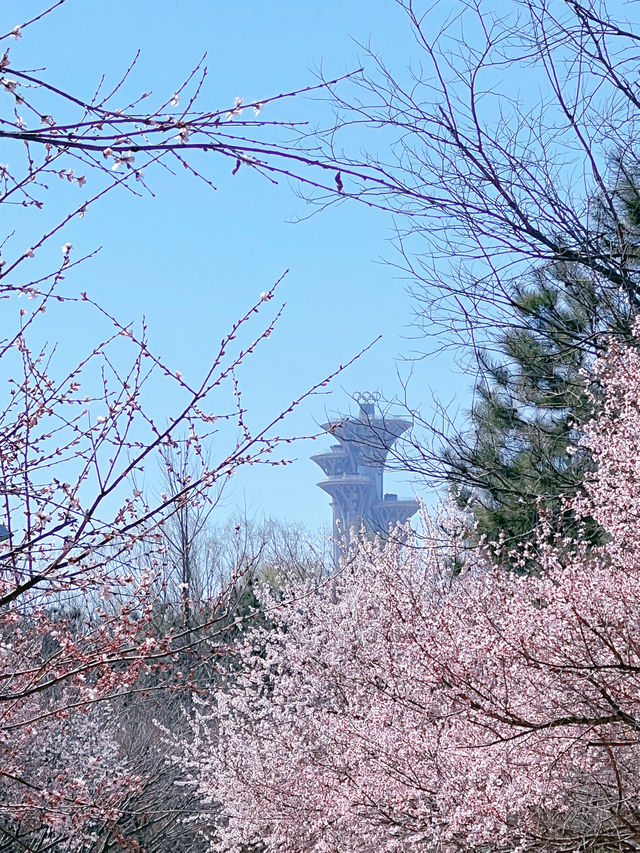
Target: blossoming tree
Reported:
[(398, 709), (82, 544)]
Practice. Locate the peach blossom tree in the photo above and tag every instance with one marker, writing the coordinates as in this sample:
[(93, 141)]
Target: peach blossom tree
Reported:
[(398, 708), (82, 543)]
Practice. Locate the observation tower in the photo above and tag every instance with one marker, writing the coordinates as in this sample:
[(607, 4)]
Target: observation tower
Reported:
[(354, 473)]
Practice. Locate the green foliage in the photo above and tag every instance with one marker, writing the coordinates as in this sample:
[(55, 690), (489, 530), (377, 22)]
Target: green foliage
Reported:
[(521, 457)]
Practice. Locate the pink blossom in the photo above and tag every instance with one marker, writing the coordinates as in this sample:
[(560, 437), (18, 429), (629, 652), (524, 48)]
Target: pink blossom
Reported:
[(398, 708)]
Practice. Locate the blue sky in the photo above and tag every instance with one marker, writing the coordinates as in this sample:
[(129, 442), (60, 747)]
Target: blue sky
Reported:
[(191, 260)]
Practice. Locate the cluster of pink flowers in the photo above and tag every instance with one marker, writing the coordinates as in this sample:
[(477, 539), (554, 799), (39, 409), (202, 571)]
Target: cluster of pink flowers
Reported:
[(398, 708)]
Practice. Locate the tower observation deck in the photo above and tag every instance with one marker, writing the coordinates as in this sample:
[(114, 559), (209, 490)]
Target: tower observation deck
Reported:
[(354, 473)]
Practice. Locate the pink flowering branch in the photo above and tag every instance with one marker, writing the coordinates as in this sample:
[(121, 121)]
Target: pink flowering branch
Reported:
[(397, 707), (81, 570)]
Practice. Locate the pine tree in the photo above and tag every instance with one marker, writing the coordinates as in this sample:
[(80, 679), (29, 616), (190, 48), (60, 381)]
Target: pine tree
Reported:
[(521, 456)]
